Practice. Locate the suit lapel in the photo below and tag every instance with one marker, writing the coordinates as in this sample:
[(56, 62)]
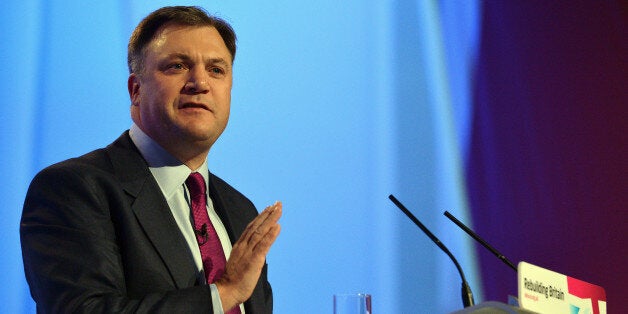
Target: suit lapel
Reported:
[(152, 211), (227, 209), (154, 215)]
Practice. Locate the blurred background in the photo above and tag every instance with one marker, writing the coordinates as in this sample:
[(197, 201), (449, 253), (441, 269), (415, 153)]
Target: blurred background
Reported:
[(509, 114)]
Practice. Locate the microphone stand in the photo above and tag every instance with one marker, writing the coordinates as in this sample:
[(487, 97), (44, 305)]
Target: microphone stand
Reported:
[(467, 295)]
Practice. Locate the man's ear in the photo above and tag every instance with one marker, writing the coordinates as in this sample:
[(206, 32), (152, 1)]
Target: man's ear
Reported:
[(133, 85)]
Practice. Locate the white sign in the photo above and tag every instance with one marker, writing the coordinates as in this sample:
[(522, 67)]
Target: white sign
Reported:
[(545, 291)]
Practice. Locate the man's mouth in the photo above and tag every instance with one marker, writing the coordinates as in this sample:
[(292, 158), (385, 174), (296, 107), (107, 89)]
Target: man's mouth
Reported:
[(192, 105)]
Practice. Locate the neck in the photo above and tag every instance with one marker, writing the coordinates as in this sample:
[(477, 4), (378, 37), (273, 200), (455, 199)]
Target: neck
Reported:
[(189, 152), (194, 163), (192, 157)]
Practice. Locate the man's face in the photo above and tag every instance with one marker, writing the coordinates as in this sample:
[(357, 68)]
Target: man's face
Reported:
[(183, 94)]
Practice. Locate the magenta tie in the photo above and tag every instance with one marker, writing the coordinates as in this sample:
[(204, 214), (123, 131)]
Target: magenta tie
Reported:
[(208, 242)]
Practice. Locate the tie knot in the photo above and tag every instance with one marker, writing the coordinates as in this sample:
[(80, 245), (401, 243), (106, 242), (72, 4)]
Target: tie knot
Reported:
[(196, 185)]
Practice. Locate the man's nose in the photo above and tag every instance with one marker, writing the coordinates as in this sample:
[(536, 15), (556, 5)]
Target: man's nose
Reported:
[(198, 81)]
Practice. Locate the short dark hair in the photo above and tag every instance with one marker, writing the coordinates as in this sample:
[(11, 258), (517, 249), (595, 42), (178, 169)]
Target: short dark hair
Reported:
[(146, 30)]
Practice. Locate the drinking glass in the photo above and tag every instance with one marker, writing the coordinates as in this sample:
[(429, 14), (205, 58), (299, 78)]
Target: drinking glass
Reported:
[(355, 303)]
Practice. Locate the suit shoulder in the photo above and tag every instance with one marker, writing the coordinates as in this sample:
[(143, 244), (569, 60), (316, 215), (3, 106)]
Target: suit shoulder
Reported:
[(94, 161), (73, 177), (98, 162)]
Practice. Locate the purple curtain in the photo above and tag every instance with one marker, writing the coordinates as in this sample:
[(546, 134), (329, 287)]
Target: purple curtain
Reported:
[(547, 171)]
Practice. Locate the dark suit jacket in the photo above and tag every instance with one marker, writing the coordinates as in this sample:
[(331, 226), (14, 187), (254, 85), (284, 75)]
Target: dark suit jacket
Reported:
[(98, 236)]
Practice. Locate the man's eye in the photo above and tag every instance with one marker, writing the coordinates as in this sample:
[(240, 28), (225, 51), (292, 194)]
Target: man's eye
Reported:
[(176, 66), (216, 70)]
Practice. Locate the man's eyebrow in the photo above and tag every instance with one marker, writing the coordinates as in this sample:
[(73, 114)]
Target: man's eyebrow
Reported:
[(178, 55), (185, 57), (219, 61)]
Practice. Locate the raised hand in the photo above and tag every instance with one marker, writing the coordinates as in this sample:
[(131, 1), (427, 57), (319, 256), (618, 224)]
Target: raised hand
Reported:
[(248, 256)]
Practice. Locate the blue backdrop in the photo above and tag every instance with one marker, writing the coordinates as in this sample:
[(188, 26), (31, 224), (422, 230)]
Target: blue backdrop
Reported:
[(335, 105)]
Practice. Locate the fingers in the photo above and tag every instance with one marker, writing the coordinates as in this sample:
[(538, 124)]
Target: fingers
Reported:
[(259, 235), (270, 213), (262, 241), (264, 228), (248, 256)]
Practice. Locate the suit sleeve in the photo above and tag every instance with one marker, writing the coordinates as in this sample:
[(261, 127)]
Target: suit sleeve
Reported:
[(71, 252)]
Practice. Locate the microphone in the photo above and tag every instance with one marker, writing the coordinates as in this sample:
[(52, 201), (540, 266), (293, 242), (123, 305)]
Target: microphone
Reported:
[(476, 237), (467, 295), (202, 233)]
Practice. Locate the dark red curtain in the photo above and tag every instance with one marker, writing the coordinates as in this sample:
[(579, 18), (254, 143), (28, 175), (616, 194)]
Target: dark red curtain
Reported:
[(547, 172)]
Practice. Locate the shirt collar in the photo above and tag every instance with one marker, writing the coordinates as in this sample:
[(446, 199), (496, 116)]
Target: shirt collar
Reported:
[(169, 172)]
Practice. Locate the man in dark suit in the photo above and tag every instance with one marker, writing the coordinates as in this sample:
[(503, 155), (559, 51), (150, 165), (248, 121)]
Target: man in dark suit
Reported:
[(114, 230)]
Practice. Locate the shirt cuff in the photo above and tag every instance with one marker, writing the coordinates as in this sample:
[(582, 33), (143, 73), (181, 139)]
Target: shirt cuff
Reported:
[(216, 303)]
